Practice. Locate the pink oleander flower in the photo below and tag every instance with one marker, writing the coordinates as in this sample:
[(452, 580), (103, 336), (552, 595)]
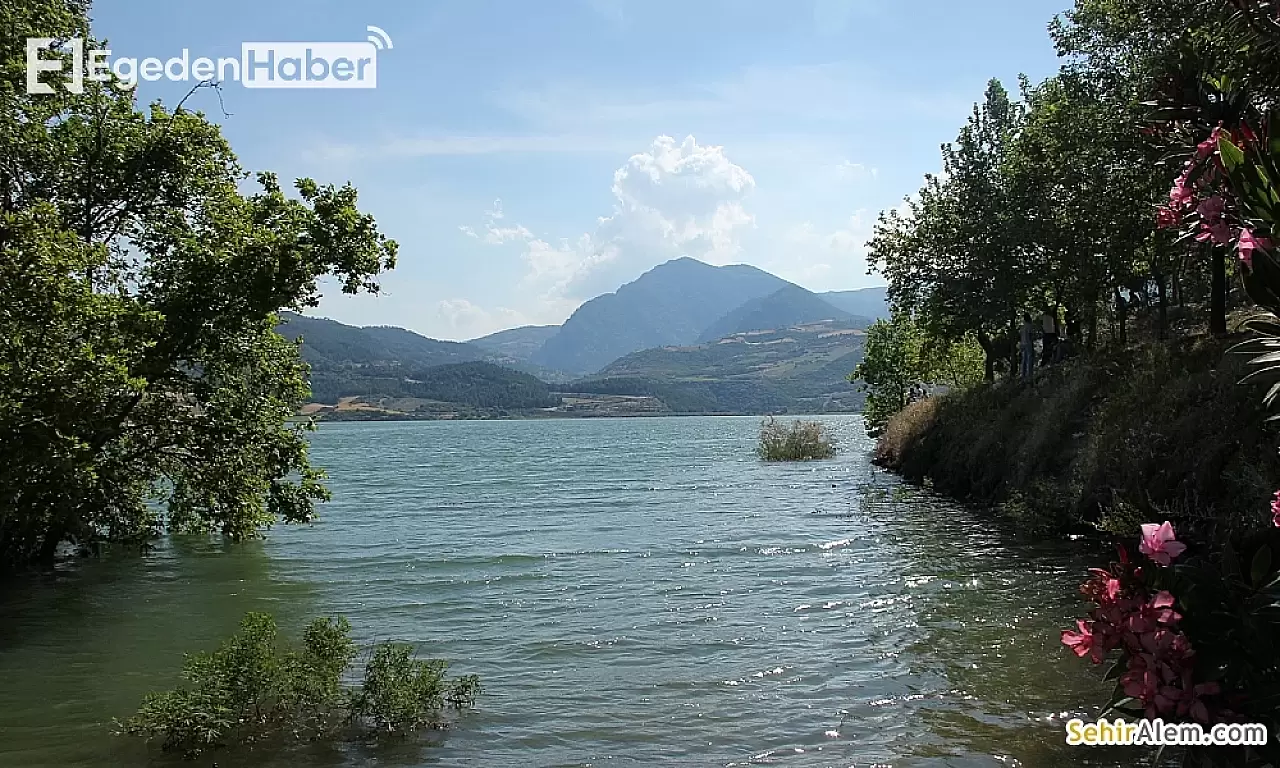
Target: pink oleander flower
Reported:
[(1161, 608), (1167, 217), (1219, 232), (1210, 145), (1103, 588), (1248, 244), (1189, 701), (1275, 510), (1139, 683), (1212, 208), (1180, 195), (1081, 643), (1159, 544)]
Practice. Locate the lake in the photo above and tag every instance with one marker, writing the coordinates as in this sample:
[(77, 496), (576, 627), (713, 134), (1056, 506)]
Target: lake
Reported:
[(630, 591)]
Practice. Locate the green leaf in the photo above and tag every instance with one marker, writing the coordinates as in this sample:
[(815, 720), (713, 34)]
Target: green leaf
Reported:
[(1232, 156), (1261, 565), (1114, 672), (1230, 562)]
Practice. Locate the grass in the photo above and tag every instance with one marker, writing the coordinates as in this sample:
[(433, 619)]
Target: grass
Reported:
[(797, 441), (1153, 432)]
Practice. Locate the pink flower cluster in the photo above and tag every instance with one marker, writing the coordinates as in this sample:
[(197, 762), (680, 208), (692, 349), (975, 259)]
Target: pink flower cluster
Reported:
[(1275, 510), (1160, 660), (1216, 225)]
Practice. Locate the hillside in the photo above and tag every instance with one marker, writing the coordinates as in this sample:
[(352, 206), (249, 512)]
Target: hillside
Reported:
[(789, 306), (866, 302), (348, 360), (456, 390), (802, 368), (517, 343), (672, 303), (330, 344)]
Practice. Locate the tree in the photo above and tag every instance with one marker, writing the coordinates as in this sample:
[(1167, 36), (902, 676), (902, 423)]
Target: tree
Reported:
[(139, 360), (892, 364), (951, 258), (1084, 184), (899, 355)]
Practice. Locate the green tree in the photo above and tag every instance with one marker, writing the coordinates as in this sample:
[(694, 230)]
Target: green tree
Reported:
[(893, 362), (899, 355), (143, 386), (951, 258), (1085, 185)]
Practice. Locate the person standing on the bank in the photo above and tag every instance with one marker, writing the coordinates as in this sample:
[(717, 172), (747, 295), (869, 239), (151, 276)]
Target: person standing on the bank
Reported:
[(1049, 328), (1027, 342)]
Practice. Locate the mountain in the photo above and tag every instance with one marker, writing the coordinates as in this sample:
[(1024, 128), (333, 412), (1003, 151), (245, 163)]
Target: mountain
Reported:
[(867, 302), (348, 361), (672, 303), (330, 344), (788, 306), (517, 343), (802, 368)]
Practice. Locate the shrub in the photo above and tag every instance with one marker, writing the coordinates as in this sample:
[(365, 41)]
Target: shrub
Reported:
[(798, 441), (250, 688), (1196, 641)]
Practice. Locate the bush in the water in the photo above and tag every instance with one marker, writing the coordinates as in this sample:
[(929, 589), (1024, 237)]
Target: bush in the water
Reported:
[(797, 441), (251, 688)]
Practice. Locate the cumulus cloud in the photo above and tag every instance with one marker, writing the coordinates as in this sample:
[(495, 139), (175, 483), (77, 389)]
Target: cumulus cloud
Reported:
[(674, 199), (826, 259)]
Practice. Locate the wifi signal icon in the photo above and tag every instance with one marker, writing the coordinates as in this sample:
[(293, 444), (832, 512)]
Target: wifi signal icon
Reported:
[(380, 39)]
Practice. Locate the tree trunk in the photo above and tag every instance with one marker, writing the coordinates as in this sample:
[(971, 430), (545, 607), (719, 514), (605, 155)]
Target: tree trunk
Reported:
[(1163, 319), (1013, 348), (1218, 300), (988, 357), (1121, 318)]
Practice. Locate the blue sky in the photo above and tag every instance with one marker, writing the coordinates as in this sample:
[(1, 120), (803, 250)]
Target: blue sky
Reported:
[(528, 156)]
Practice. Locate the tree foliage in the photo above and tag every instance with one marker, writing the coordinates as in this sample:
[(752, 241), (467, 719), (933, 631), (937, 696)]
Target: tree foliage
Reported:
[(143, 386), (949, 256), (901, 357)]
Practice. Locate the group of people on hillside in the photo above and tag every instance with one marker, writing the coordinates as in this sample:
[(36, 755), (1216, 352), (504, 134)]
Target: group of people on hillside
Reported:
[(1055, 338)]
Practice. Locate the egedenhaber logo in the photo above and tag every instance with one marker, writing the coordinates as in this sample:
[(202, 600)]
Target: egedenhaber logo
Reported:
[(260, 65)]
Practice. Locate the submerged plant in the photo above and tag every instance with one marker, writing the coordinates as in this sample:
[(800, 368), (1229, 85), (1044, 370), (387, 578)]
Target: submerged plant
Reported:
[(798, 441), (251, 688)]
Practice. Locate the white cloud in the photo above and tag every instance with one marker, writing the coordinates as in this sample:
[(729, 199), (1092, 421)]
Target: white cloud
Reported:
[(461, 319), (675, 199), (847, 170), (494, 234), (824, 260)]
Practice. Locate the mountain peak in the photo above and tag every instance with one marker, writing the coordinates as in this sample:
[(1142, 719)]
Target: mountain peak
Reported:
[(670, 304)]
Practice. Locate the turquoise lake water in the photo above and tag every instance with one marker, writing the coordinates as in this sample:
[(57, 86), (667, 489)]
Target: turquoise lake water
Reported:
[(630, 591)]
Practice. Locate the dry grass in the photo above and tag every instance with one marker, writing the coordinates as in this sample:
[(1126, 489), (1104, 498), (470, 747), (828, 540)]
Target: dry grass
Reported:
[(904, 429), (1160, 431)]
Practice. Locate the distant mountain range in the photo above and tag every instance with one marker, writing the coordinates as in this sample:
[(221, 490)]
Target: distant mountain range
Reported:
[(330, 344), (802, 367), (517, 343), (788, 306), (684, 337), (672, 303), (872, 303)]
